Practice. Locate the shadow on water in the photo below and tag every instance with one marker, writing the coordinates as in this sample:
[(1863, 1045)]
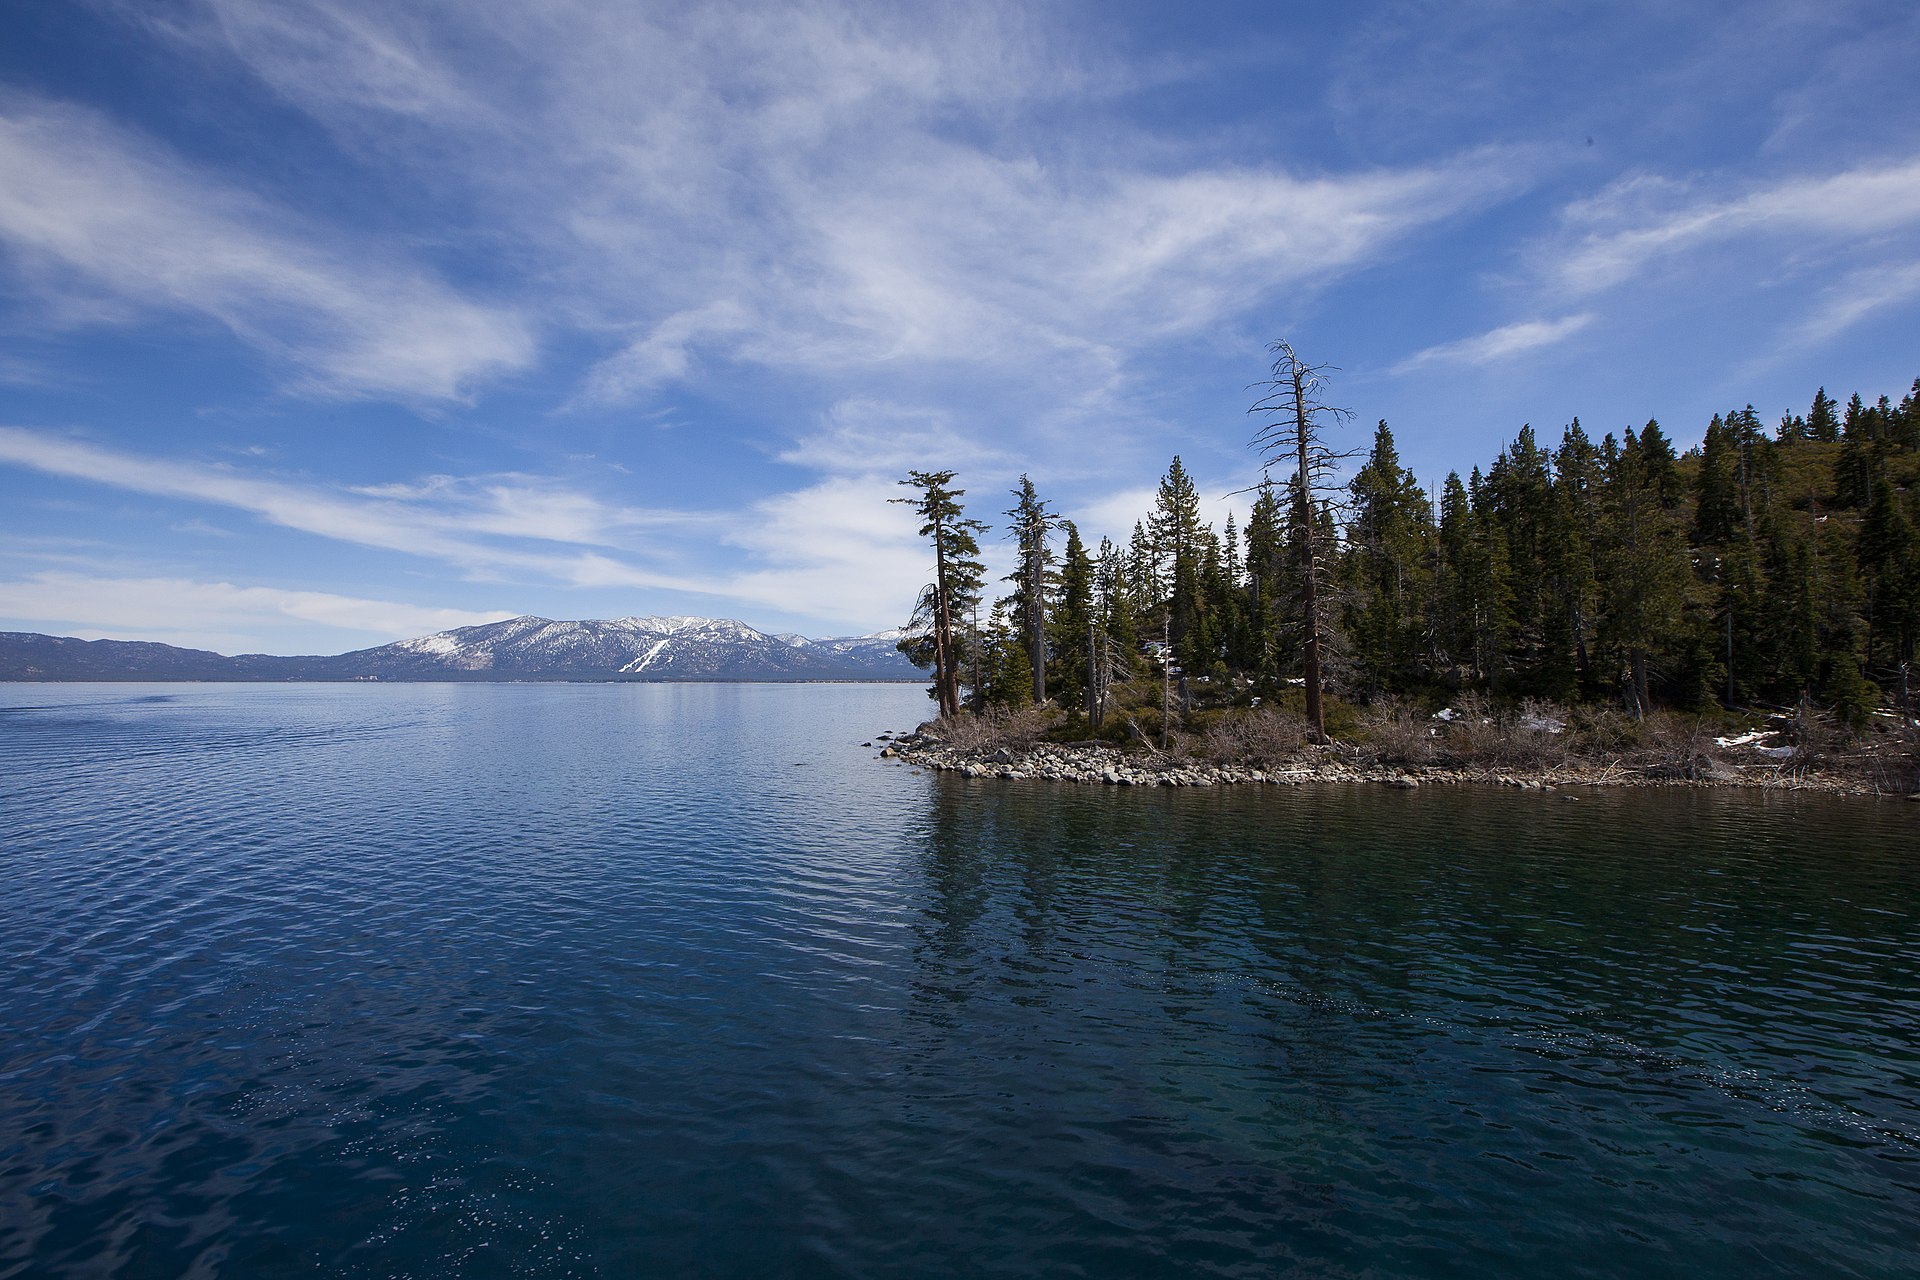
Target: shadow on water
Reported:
[(1415, 1033)]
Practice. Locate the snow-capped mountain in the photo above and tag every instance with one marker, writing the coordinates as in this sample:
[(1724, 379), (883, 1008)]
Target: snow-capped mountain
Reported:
[(673, 648), (527, 648)]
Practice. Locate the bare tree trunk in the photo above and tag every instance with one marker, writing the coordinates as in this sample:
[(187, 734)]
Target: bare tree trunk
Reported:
[(1310, 588), (1093, 678), (945, 677)]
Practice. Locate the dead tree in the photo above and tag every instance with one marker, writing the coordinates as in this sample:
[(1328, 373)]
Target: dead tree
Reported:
[(1293, 417)]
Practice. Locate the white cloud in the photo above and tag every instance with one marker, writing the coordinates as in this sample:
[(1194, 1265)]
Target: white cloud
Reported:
[(104, 225), (863, 435), (444, 519), (837, 550), (1114, 514), (1498, 344), (786, 186), (664, 354), (223, 615), (1859, 295), (1638, 221)]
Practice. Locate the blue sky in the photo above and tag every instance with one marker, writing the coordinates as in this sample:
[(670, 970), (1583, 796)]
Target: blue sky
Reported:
[(328, 322)]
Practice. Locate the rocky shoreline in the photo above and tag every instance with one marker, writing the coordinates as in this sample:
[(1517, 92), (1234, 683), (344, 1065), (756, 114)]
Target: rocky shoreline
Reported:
[(1097, 763)]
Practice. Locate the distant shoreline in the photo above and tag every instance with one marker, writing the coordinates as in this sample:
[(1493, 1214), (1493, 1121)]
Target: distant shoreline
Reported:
[(457, 679)]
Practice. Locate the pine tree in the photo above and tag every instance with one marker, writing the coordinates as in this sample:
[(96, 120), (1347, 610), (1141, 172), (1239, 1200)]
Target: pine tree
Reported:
[(1645, 563), (1659, 466), (1386, 558), (1175, 530), (1113, 601), (1142, 576), (1073, 621), (1822, 425), (1889, 562), (1716, 506), (1517, 497), (954, 593), (1264, 656), (1031, 524), (1567, 558)]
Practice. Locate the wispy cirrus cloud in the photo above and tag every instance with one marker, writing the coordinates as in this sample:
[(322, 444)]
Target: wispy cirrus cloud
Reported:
[(787, 189), (154, 608), (1642, 220), (1862, 294), (479, 526), (1497, 344), (101, 224), (836, 550)]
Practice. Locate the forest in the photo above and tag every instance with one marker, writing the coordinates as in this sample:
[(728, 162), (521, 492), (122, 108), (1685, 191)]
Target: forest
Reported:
[(1766, 569)]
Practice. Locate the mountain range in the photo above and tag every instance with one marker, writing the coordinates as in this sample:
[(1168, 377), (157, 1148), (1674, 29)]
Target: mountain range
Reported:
[(526, 648)]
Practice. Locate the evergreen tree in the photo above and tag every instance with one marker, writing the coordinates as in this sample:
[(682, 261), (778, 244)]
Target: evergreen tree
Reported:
[(1386, 559), (1031, 524), (1890, 575), (1645, 563), (1658, 464), (1716, 490), (1176, 534), (954, 593), (1142, 576), (1113, 600), (1264, 655), (1567, 560), (1822, 424), (1517, 497), (1073, 621)]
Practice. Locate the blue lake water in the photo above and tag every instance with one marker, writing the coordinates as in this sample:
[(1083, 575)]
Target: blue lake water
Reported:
[(631, 980)]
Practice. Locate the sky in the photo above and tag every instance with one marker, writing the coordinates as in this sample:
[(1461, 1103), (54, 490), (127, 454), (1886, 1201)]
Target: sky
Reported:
[(325, 323)]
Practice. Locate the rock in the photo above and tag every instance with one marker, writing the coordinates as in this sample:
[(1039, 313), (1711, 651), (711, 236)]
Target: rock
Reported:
[(888, 753), (1403, 783)]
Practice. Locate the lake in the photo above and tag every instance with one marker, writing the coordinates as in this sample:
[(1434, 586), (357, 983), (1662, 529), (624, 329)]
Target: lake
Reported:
[(621, 980)]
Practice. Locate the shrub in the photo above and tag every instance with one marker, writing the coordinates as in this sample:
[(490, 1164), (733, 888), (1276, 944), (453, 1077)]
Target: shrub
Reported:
[(1265, 735), (995, 727), (1393, 733)]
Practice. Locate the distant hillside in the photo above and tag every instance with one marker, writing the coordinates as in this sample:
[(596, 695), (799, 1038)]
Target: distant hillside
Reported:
[(527, 648)]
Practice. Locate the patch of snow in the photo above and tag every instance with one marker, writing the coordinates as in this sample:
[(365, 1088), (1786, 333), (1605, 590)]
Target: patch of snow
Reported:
[(1447, 714), (1751, 741), (1543, 724), (644, 660), (436, 646)]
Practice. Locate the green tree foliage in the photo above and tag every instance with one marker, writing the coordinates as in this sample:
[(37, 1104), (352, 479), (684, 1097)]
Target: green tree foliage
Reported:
[(1073, 622), (1758, 568), (936, 637), (1388, 541), (1823, 424), (1032, 522)]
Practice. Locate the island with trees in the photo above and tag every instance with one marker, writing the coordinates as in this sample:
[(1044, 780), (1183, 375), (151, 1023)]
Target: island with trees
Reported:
[(1744, 612)]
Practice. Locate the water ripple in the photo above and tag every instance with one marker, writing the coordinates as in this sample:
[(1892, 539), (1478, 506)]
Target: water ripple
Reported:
[(578, 980)]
